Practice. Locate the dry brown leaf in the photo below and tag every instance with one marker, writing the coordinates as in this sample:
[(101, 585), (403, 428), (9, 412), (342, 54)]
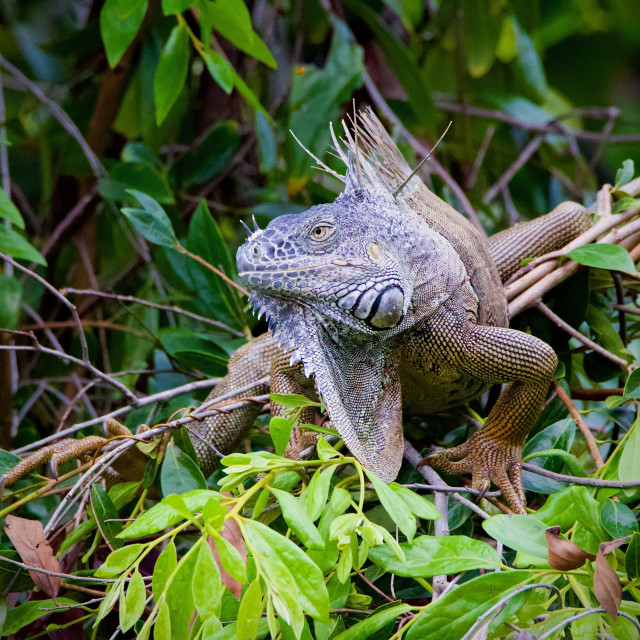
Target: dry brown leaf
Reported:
[(231, 533), (606, 584), (564, 555), (28, 538), (612, 545)]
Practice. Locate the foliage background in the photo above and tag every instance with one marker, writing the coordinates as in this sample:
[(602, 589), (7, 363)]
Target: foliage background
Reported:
[(191, 103)]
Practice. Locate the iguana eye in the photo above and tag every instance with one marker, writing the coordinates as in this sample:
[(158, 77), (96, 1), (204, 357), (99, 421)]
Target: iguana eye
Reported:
[(321, 231)]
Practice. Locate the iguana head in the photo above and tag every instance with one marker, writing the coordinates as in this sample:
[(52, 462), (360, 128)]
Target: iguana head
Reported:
[(331, 259)]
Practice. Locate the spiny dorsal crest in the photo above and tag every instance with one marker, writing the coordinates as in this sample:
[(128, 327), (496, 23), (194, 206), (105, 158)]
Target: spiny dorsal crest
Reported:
[(372, 158)]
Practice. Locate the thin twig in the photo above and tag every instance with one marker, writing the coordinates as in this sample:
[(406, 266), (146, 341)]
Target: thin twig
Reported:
[(162, 396), (588, 482), (482, 152), (581, 424), (448, 489), (558, 321), (60, 115), (68, 220), (153, 305), (516, 165), (55, 574), (66, 357), (551, 127), (57, 294), (582, 614), (498, 605)]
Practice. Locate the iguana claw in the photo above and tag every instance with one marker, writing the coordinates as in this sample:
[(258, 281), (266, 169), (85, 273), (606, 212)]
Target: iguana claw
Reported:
[(488, 461)]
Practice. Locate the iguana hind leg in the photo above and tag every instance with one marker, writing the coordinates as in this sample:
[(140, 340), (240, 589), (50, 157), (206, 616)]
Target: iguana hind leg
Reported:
[(496, 355), (219, 433), (537, 237)]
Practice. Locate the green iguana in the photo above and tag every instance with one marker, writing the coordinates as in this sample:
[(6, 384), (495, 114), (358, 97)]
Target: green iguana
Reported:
[(387, 301)]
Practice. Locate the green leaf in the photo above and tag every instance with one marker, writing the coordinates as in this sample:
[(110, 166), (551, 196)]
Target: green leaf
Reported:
[(617, 519), (180, 473), (632, 557), (280, 432), (624, 174), (451, 615), (134, 175), (632, 385), (206, 240), (119, 23), (575, 468), (521, 533), (417, 504), (165, 565), (28, 612), (266, 143), (113, 593), (232, 19), (151, 222), (133, 602), (230, 559), (176, 502), (292, 400), (207, 584), (162, 627), (397, 509), (325, 450), (119, 560), (314, 598), (196, 350), (430, 556), (179, 596), (629, 465), (482, 28), (9, 211), (316, 493), (250, 612), (122, 493), (107, 515), (295, 515), (16, 246), (175, 6), (221, 71), (377, 621), (402, 61), (161, 516), (11, 296), (604, 256), (171, 72), (571, 505), (528, 65)]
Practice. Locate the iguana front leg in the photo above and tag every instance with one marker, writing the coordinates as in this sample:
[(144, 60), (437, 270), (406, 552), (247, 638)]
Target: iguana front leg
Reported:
[(495, 355)]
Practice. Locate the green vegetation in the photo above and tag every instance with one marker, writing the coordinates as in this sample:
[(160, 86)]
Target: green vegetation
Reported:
[(135, 135)]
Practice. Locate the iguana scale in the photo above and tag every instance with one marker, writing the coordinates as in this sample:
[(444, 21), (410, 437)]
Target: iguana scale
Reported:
[(389, 301)]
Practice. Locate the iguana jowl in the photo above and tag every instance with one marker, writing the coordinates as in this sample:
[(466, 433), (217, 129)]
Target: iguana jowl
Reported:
[(392, 302)]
